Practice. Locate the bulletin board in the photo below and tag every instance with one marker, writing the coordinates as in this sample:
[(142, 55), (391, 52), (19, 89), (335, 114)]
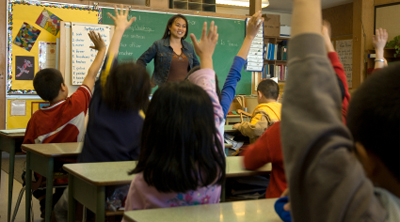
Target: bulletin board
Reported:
[(19, 111), (33, 23), (386, 17)]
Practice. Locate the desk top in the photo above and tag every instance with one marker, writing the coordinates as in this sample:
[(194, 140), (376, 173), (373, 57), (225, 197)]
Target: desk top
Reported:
[(250, 210), (16, 135), (103, 173), (54, 149), (116, 173), (229, 129)]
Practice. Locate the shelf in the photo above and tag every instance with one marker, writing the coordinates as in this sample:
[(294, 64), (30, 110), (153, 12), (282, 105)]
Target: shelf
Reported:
[(198, 5), (195, 6), (208, 8), (180, 5)]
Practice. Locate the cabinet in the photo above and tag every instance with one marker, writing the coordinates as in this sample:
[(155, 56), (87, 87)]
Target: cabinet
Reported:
[(197, 5)]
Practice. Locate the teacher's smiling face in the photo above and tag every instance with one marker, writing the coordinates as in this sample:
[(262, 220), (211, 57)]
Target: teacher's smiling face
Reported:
[(178, 28)]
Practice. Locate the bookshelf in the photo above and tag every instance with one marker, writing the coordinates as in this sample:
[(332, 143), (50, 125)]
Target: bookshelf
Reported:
[(196, 5), (275, 57)]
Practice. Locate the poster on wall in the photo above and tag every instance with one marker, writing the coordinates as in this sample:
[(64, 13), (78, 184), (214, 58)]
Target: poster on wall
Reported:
[(47, 55), (49, 22), (24, 67), (18, 108), (344, 49), (27, 36)]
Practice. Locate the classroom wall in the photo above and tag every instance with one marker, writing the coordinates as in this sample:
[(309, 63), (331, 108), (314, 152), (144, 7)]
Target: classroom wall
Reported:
[(341, 19)]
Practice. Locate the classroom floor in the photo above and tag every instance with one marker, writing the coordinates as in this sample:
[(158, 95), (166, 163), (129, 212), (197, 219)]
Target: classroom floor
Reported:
[(4, 197)]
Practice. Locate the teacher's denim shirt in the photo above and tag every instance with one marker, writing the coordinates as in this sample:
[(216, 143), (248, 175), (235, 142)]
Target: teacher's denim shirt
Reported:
[(162, 52)]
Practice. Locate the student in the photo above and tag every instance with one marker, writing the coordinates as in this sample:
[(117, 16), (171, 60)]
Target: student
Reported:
[(115, 121), (185, 165), (267, 111), (115, 112), (64, 119), (326, 181)]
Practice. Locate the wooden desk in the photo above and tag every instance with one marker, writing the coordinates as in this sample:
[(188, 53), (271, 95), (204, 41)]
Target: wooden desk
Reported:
[(239, 211), (232, 119), (88, 181), (10, 143), (229, 129), (40, 158)]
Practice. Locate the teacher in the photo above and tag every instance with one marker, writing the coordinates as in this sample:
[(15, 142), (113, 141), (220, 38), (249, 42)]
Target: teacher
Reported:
[(173, 56)]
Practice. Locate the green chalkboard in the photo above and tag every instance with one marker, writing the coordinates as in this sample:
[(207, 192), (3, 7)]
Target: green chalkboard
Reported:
[(150, 26)]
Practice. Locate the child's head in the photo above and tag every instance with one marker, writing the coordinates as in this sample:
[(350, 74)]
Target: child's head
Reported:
[(48, 83), (373, 117), (267, 90), (127, 87), (180, 147)]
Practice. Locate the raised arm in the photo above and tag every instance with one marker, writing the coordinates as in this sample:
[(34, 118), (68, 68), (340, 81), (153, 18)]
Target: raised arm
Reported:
[(255, 22), (100, 46), (379, 40), (229, 90), (338, 67), (205, 77), (320, 165)]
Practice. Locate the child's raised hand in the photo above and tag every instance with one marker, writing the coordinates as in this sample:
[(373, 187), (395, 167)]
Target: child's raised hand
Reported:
[(380, 38), (326, 33), (254, 24), (205, 47), (98, 42), (121, 18)]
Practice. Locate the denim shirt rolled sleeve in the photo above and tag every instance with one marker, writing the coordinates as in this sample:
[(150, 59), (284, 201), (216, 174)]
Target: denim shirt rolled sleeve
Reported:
[(162, 52)]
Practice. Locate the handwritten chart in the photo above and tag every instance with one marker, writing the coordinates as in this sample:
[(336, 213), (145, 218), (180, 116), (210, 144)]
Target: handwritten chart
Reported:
[(82, 55), (344, 48), (255, 58)]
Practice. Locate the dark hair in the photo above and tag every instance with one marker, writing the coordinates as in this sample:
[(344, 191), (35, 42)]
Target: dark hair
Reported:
[(47, 83), (269, 88), (127, 87), (180, 147), (373, 116), (172, 20)]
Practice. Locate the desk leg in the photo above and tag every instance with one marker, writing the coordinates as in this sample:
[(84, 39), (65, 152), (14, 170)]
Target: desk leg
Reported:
[(223, 191), (49, 189), (10, 178), (71, 199), (101, 201), (28, 182)]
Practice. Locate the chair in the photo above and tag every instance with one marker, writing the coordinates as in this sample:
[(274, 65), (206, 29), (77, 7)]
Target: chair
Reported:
[(39, 184)]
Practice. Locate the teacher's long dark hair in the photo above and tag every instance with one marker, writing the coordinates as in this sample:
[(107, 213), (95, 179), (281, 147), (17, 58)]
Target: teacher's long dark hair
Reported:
[(180, 147), (171, 21)]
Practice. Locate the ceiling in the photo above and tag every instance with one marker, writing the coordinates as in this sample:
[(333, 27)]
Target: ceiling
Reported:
[(286, 5)]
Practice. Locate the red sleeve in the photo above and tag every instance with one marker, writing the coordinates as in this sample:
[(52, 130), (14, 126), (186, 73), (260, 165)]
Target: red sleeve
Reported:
[(338, 67), (265, 149), (81, 98), (29, 137)]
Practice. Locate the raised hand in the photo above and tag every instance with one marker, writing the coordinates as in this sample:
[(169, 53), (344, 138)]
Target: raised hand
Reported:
[(121, 18), (380, 38), (206, 46), (98, 42), (254, 24)]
